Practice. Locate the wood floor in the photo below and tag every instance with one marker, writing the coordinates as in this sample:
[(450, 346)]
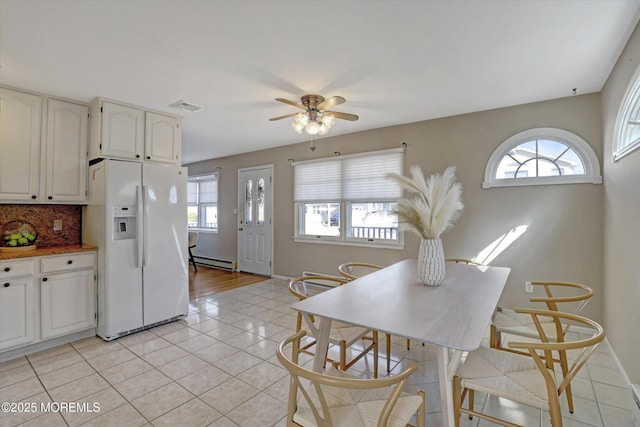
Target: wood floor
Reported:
[(208, 281)]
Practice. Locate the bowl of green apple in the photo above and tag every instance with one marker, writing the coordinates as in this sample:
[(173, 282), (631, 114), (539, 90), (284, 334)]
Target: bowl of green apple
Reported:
[(18, 236)]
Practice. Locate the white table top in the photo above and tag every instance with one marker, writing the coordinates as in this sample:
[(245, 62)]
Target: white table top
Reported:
[(455, 314)]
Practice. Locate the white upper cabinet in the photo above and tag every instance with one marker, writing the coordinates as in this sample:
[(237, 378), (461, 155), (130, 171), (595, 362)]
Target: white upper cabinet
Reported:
[(66, 143), (119, 131), (43, 149), (126, 132), (20, 127), (162, 138)]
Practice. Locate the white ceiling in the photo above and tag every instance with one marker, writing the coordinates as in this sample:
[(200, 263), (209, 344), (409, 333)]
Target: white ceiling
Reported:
[(394, 61)]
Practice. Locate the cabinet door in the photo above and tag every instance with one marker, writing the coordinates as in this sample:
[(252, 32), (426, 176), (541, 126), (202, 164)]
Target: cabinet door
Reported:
[(162, 138), (68, 303), (16, 312), (20, 123), (66, 176), (122, 131)]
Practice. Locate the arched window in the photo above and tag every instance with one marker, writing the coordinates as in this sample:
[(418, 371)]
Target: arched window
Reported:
[(627, 132), (542, 156)]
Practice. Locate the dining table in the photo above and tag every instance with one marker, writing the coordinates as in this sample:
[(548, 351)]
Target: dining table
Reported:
[(453, 316)]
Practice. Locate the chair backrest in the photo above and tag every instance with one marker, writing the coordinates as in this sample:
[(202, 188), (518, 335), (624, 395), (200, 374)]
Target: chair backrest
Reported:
[(541, 351), (298, 287), (320, 391), (193, 238), (581, 299), (353, 270)]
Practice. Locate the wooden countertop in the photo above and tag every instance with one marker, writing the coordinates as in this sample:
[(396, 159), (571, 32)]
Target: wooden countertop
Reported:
[(54, 250)]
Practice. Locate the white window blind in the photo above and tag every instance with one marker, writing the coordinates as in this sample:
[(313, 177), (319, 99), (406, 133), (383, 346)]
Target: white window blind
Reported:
[(318, 181), (192, 193), (209, 191), (352, 177), (202, 189)]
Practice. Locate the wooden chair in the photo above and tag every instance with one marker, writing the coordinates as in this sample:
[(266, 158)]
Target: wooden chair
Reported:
[(525, 379), (336, 398), (193, 240), (353, 270), (508, 321), (343, 335)]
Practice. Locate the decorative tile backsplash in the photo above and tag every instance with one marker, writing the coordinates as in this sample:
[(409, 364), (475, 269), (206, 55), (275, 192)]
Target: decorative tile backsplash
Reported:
[(41, 217)]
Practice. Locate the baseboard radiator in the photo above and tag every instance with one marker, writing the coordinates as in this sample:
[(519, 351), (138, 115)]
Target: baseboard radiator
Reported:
[(327, 283), (223, 264)]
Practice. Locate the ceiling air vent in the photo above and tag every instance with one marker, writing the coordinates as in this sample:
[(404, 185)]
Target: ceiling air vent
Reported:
[(186, 106)]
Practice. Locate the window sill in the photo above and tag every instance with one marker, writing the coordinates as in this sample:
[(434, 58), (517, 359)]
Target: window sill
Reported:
[(329, 241), (625, 151), (524, 182)]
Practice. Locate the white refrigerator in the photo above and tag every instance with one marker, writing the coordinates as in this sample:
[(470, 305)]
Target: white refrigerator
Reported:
[(137, 216)]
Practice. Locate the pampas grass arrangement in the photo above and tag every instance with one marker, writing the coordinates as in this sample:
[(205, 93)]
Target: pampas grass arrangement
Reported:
[(437, 203)]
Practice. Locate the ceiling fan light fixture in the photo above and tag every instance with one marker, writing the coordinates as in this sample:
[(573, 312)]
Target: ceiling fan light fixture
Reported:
[(302, 119), (328, 120), (316, 118), (297, 127), (312, 128)]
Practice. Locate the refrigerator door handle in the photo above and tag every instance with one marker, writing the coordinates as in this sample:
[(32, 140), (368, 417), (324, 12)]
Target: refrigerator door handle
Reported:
[(139, 242), (147, 249)]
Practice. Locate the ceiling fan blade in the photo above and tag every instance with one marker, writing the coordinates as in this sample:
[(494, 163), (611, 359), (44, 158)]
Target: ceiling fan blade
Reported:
[(295, 104), (331, 102), (343, 116), (282, 117)]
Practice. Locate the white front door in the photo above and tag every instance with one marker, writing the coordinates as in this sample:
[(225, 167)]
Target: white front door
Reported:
[(255, 228)]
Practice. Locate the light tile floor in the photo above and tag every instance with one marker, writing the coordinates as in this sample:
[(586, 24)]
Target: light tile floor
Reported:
[(217, 367)]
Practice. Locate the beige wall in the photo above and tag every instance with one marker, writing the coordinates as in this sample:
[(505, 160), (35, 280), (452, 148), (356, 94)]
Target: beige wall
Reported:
[(622, 223), (564, 238)]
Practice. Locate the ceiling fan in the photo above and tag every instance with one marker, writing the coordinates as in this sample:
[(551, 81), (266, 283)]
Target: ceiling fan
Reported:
[(316, 118)]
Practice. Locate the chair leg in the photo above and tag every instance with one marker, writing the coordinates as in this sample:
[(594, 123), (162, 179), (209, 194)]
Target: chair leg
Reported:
[(193, 261), (494, 338), (420, 416), (457, 400), (408, 344), (375, 354), (472, 395), (565, 368), (388, 342)]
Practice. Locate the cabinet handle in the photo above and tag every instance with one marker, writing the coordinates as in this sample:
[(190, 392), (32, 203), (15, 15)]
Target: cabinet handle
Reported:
[(50, 197), (137, 156), (70, 262), (34, 197), (44, 279), (7, 269), (6, 285), (148, 157)]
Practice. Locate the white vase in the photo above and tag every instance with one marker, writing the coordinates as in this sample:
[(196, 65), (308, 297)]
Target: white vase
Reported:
[(431, 264)]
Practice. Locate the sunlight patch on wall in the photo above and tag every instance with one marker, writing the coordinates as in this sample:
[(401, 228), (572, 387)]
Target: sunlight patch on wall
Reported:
[(499, 245)]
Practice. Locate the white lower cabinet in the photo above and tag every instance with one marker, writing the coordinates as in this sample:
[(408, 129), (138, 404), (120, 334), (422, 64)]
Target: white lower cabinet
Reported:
[(46, 297), (67, 302), (16, 312)]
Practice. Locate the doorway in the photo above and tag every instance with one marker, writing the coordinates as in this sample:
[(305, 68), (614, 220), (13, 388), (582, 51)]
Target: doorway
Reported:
[(255, 225)]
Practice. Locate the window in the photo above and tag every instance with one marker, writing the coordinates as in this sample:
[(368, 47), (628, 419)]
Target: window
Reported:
[(627, 132), (348, 199), (542, 156), (203, 202)]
